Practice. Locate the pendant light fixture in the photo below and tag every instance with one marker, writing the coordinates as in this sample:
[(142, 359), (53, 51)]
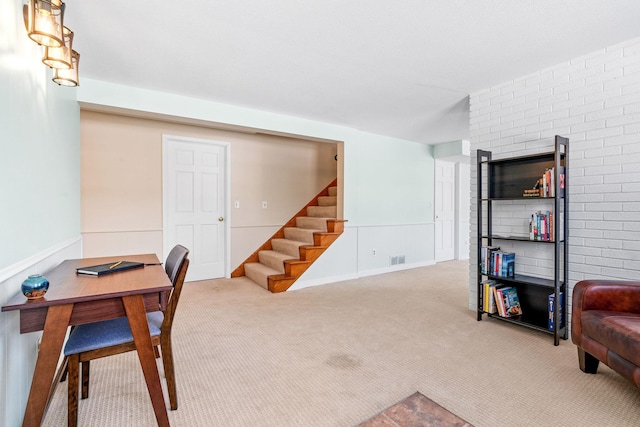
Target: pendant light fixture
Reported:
[(60, 57), (68, 77), (44, 21)]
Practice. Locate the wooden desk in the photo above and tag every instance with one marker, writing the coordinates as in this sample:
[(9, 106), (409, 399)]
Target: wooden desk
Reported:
[(75, 299)]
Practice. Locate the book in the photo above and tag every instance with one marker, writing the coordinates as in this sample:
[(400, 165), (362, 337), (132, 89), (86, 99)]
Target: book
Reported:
[(552, 308), (499, 301), (112, 267), (511, 302), (487, 265)]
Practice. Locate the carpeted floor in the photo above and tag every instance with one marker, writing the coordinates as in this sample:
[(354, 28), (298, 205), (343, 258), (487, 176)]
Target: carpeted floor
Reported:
[(338, 354)]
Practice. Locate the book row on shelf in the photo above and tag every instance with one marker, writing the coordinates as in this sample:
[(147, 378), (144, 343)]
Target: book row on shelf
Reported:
[(496, 262), (541, 226), (498, 298), (546, 185)]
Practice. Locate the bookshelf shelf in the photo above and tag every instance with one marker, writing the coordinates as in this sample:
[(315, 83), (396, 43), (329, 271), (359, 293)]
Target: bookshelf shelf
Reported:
[(541, 280)]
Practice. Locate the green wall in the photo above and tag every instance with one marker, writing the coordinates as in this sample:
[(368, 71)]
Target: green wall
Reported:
[(39, 146)]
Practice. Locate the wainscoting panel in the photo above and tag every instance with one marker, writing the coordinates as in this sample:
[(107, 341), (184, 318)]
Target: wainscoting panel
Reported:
[(18, 352)]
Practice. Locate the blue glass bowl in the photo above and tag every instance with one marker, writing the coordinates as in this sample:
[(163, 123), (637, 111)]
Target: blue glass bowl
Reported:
[(35, 286)]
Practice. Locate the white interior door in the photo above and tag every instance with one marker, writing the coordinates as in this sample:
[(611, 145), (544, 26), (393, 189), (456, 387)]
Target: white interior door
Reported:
[(445, 210), (195, 203)]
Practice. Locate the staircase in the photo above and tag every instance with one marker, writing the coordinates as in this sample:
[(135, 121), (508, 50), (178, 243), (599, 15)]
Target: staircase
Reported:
[(281, 260)]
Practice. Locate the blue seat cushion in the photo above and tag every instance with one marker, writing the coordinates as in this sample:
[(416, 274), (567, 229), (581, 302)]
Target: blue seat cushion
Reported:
[(92, 336)]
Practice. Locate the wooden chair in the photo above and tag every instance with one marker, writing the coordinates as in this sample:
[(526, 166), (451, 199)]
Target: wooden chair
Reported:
[(110, 337)]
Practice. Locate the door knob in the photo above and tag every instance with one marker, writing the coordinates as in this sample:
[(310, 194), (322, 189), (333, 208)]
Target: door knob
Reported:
[(220, 219)]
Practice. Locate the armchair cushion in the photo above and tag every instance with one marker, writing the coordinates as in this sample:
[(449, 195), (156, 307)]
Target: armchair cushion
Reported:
[(621, 332)]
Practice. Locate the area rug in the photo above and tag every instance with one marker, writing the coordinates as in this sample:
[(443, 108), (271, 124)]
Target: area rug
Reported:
[(416, 410)]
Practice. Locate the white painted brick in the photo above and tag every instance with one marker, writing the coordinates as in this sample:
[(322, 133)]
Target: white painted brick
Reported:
[(622, 120), (632, 207), (631, 163), (539, 127), (632, 265), (603, 151), (604, 114), (584, 163), (535, 96), (622, 235), (587, 108), (620, 216), (536, 78), (501, 98), (591, 270), (632, 226), (621, 197), (623, 100), (553, 99), (621, 254), (632, 128), (571, 120), (602, 225), (604, 133), (602, 95), (603, 77), (631, 187), (631, 246), (584, 127), (631, 88), (604, 262), (602, 243), (632, 108), (631, 70), (589, 234), (632, 50), (620, 274), (586, 197), (550, 133), (603, 206), (580, 250), (621, 178)]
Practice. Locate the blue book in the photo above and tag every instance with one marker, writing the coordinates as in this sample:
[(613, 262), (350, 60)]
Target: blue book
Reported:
[(552, 308)]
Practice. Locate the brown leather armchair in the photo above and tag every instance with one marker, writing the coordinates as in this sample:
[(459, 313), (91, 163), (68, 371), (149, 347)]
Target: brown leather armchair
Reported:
[(605, 325)]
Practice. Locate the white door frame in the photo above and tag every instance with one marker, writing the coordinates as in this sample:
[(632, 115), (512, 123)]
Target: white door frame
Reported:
[(167, 246)]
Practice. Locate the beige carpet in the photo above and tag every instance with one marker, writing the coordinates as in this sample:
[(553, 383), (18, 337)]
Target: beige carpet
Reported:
[(336, 355)]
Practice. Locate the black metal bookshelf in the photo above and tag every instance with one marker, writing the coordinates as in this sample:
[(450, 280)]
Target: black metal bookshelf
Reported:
[(505, 180)]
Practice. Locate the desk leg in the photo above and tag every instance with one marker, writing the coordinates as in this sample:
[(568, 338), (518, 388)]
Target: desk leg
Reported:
[(136, 313), (55, 329)]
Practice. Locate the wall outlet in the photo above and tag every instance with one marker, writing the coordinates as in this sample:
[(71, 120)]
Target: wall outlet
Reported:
[(264, 204)]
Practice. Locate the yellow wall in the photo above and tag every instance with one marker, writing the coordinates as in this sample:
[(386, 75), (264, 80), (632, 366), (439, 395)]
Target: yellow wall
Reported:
[(121, 167)]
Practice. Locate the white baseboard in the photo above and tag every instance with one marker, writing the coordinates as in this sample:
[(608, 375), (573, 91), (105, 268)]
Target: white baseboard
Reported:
[(301, 284)]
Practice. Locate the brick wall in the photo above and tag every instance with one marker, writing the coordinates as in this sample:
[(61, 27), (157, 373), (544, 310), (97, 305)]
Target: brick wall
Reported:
[(594, 100)]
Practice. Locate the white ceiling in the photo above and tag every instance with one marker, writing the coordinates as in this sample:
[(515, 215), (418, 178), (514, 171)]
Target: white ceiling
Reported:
[(398, 68)]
